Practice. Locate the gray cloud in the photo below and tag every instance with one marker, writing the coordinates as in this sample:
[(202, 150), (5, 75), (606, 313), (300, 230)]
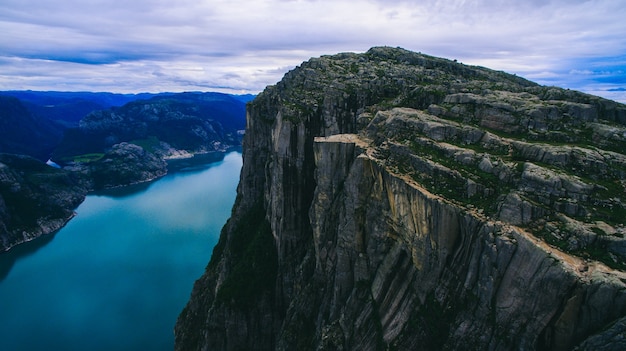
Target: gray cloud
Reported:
[(155, 45)]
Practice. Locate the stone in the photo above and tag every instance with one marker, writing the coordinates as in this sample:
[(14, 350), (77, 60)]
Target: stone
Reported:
[(414, 204)]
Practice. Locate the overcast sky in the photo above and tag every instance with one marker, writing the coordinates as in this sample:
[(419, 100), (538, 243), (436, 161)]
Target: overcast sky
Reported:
[(240, 46)]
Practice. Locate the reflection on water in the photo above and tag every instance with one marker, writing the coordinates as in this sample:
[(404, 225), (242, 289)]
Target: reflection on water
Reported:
[(8, 259), (117, 276)]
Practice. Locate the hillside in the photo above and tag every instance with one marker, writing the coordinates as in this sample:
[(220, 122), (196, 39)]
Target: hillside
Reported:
[(21, 132), (35, 199), (166, 125), (109, 148), (394, 200), (68, 108)]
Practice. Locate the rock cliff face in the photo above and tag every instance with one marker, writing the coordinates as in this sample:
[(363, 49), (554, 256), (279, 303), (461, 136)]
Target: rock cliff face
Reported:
[(392, 200)]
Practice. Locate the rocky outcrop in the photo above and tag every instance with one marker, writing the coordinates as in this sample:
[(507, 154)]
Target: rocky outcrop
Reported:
[(123, 165), (392, 200), (35, 199)]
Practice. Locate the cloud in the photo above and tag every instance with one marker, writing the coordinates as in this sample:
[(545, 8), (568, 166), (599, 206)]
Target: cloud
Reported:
[(155, 45)]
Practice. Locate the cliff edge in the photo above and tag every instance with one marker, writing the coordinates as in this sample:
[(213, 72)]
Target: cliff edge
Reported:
[(393, 200)]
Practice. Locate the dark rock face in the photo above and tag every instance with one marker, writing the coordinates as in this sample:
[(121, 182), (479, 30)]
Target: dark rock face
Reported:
[(392, 200), (35, 199)]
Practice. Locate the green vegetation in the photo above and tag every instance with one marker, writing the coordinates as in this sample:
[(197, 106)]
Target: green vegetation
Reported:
[(595, 251), (149, 144), (600, 253), (454, 186), (87, 158)]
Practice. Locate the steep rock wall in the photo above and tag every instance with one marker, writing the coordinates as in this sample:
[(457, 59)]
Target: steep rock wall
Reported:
[(351, 232), (438, 276)]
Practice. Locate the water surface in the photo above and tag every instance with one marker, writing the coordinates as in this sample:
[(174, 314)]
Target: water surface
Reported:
[(117, 276)]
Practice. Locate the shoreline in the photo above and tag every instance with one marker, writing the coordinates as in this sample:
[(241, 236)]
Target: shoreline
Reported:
[(29, 237), (118, 190)]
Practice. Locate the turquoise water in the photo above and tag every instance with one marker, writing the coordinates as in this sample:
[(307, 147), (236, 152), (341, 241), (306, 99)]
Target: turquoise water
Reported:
[(117, 276)]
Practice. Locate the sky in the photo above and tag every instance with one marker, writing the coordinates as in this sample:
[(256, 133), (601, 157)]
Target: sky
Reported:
[(240, 46)]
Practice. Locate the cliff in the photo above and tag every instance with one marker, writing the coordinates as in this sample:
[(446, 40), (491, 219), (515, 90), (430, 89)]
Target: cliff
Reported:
[(393, 200), (35, 199)]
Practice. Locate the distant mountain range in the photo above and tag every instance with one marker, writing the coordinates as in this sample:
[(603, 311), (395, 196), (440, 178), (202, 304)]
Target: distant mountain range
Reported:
[(23, 132), (101, 140), (165, 125), (70, 107), (33, 122)]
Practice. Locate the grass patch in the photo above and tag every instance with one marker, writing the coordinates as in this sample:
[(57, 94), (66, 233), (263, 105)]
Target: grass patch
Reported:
[(87, 158), (600, 253), (452, 186), (596, 251)]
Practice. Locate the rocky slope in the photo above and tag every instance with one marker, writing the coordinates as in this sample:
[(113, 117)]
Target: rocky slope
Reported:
[(124, 164), (393, 200), (35, 199)]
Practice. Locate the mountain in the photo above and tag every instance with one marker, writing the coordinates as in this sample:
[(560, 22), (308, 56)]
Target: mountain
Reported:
[(68, 108), (21, 132), (33, 122), (109, 148), (392, 200), (186, 122), (105, 99), (35, 199)]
